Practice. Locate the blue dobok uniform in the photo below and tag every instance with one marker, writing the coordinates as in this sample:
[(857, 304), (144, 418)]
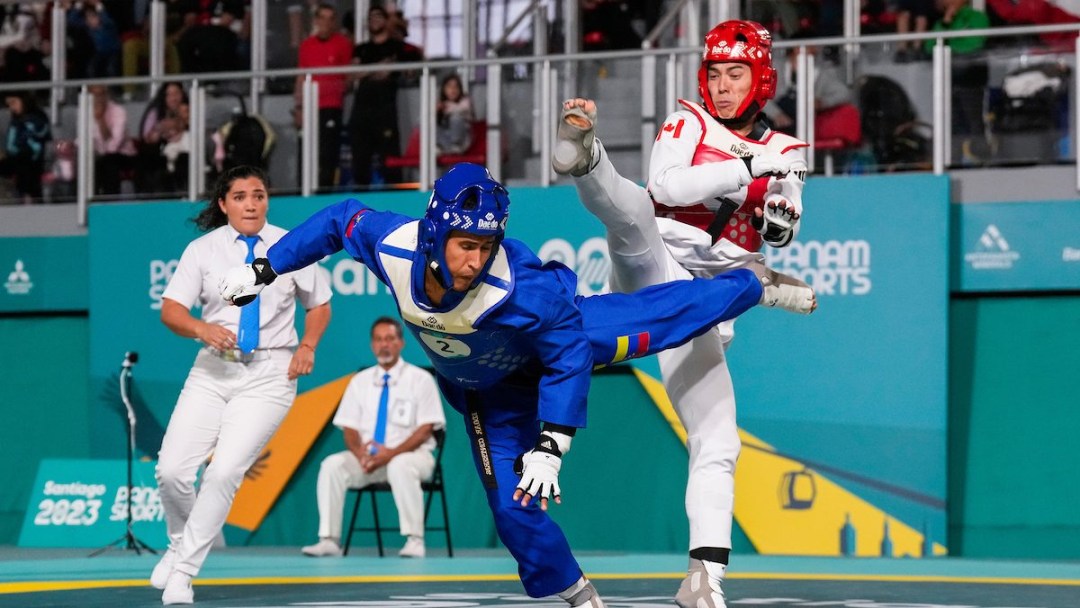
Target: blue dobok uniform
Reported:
[(516, 349)]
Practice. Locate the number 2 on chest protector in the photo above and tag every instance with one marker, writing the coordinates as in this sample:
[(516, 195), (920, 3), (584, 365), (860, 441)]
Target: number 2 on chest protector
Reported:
[(445, 346)]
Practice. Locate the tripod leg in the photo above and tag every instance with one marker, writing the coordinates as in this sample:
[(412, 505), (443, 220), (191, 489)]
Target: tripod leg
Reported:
[(120, 541)]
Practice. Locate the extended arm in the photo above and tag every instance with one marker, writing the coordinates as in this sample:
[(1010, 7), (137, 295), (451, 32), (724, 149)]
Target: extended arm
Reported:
[(676, 182), (348, 225)]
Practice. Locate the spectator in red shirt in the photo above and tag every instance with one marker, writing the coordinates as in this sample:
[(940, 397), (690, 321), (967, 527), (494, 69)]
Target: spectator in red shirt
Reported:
[(325, 48), (1037, 12)]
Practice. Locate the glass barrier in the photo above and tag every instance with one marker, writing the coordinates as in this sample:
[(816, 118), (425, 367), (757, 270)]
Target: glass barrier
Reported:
[(1009, 103)]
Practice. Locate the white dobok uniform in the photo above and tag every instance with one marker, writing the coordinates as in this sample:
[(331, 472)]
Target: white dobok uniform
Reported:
[(413, 402), (231, 403), (659, 235)]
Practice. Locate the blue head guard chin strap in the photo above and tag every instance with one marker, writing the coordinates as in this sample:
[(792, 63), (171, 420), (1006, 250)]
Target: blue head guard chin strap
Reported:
[(468, 200)]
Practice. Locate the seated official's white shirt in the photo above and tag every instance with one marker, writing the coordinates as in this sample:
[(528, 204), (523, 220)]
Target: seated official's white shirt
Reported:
[(413, 402), (210, 256)]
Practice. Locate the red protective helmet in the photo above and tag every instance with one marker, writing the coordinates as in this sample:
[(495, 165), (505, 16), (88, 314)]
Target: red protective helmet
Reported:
[(745, 42)]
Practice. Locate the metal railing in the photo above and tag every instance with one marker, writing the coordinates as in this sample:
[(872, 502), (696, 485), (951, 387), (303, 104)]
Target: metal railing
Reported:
[(545, 113)]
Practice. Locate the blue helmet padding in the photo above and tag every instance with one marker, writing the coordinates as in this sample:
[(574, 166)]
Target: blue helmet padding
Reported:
[(465, 199)]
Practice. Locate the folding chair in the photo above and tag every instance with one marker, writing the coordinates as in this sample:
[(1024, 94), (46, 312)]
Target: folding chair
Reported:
[(431, 487)]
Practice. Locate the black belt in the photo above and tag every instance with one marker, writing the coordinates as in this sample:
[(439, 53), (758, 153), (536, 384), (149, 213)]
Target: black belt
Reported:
[(727, 209), (480, 440)]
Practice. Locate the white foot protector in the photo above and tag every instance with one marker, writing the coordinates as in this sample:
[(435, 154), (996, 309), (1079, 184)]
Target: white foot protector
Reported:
[(574, 148), (784, 291), (702, 586), (582, 594)]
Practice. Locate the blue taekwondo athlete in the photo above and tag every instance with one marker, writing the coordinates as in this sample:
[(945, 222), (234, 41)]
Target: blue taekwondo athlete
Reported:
[(512, 345)]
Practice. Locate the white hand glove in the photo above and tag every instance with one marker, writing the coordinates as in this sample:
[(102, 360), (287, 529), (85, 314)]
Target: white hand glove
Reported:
[(242, 284), (539, 476), (238, 286), (777, 222)]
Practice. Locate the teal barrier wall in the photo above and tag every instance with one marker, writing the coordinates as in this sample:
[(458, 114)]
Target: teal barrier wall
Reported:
[(43, 398), (847, 251), (1008, 362), (1028, 246), (1014, 423), (43, 274)]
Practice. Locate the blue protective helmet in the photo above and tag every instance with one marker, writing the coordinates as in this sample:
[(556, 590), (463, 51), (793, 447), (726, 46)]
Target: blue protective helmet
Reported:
[(466, 199)]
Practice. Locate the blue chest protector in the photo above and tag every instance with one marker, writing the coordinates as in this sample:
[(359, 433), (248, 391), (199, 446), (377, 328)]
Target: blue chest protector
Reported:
[(463, 349)]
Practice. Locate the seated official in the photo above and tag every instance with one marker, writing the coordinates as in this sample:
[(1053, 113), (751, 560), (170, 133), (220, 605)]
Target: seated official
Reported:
[(388, 414)]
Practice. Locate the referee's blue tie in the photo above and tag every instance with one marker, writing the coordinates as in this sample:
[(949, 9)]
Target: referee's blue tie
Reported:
[(384, 403), (248, 337)]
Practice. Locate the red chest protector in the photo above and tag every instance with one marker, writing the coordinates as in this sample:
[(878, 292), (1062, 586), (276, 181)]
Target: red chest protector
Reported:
[(718, 143)]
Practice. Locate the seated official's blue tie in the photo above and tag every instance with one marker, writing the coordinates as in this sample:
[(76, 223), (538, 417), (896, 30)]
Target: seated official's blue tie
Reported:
[(248, 337), (380, 422)]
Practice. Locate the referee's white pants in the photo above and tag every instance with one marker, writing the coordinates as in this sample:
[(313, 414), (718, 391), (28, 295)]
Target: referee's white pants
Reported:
[(404, 472), (229, 409), (695, 374)]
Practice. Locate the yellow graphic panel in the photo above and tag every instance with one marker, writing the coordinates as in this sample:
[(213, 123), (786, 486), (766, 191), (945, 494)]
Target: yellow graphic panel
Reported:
[(786, 508), (284, 452)]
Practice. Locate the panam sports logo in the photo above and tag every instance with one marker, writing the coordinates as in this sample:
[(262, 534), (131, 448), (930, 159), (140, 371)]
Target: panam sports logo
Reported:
[(991, 252), (590, 261), (160, 273), (832, 268)]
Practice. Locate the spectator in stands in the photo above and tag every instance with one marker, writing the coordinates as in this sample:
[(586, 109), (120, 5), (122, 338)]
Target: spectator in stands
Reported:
[(213, 43), (830, 89), (113, 149), (161, 123), (606, 24), (78, 43), (24, 145), (135, 49), (913, 16), (373, 125), (399, 30), (18, 30), (454, 117), (1038, 12), (176, 150), (20, 50), (325, 48), (90, 16), (969, 75)]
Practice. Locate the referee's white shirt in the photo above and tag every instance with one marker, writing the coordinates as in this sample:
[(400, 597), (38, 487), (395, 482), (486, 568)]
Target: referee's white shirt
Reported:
[(209, 257), (413, 401)]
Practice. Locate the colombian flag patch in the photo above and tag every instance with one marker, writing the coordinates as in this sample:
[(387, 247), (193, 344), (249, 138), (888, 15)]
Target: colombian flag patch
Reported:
[(628, 347)]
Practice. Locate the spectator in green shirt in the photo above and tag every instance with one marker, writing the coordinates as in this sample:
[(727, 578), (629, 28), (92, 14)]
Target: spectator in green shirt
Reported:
[(958, 15), (969, 76)]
